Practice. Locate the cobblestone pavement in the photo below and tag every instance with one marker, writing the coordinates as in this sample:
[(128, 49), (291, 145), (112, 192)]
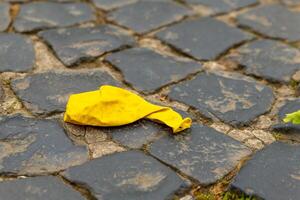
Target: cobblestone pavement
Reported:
[(231, 65)]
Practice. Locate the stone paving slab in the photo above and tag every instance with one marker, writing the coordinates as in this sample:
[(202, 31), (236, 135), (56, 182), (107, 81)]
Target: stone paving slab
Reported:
[(232, 98), (273, 20), (48, 92), (222, 6), (148, 70), (37, 188), (5, 16), (272, 174), (109, 4), (291, 2), (16, 53), (127, 175), (74, 45), (270, 60), (135, 135), (202, 38), (201, 153), (41, 15), (144, 16), (27, 147)]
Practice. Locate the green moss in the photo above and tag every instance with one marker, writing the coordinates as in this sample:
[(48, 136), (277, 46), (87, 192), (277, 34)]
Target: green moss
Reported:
[(205, 196), (231, 195)]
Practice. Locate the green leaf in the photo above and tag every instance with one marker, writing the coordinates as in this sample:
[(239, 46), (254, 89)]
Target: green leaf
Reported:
[(293, 117)]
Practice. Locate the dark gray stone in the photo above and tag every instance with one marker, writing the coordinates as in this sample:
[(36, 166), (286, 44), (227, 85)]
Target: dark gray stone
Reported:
[(37, 188), (268, 59), (203, 38), (144, 16), (5, 16), (288, 130), (272, 174), (232, 98), (109, 4), (40, 15), (16, 53), (148, 71), (200, 152), (127, 175), (222, 6), (273, 20), (31, 146), (135, 135), (74, 45), (47, 93)]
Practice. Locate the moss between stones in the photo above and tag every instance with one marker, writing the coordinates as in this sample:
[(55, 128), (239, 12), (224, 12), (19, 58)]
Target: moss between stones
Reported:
[(232, 195)]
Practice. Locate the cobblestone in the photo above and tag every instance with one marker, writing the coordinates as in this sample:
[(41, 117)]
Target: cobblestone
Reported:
[(232, 98), (147, 179), (57, 87), (27, 147), (37, 188), (204, 38), (202, 153), (155, 70), (74, 45), (273, 20), (5, 17), (108, 4), (40, 15), (16, 53), (144, 16), (277, 164)]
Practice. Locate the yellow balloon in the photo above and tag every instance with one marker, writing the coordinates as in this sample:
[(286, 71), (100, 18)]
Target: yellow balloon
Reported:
[(113, 106)]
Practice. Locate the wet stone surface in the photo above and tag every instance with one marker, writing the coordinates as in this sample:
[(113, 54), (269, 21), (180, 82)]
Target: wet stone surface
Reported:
[(222, 6), (270, 60), (144, 16), (288, 130), (127, 175), (201, 152), (5, 17), (16, 53), (31, 146), (46, 187), (232, 98), (273, 20), (203, 38), (148, 71), (109, 4), (41, 15), (275, 168), (74, 45), (135, 135), (48, 92)]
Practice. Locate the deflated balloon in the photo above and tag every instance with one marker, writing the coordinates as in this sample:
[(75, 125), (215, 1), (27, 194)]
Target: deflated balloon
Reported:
[(113, 106)]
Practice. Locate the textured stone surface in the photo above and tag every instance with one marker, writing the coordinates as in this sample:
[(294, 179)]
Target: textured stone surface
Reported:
[(48, 92), (233, 98), (273, 20), (273, 173), (37, 188), (73, 45), (16, 53), (268, 59), (5, 16), (148, 71), (201, 153), (32, 146), (291, 2), (40, 15), (203, 38), (109, 4), (136, 134), (1, 92), (144, 16), (127, 175), (222, 6)]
